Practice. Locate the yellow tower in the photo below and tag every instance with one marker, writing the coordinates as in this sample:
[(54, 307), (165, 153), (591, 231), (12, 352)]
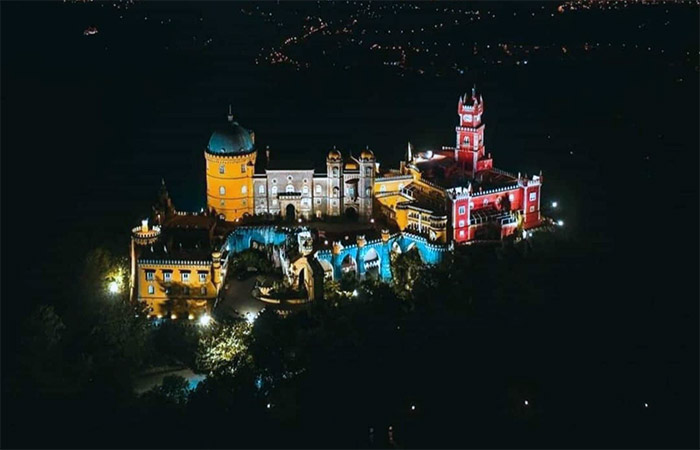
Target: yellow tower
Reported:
[(230, 158)]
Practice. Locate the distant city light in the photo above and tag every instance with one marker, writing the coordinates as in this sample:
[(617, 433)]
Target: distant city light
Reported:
[(560, 223), (299, 220), (646, 405), (371, 220), (205, 320), (413, 407), (173, 316), (554, 204), (113, 287), (526, 402), (190, 317), (355, 293), (269, 406)]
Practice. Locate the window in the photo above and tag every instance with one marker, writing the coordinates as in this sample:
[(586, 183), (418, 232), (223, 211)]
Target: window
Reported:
[(289, 188), (335, 171), (532, 209), (486, 201), (462, 210), (222, 190), (533, 196), (368, 192), (261, 189), (185, 277), (242, 168), (382, 188), (150, 275), (274, 190), (202, 277), (167, 276), (305, 190), (318, 201), (461, 233), (400, 186), (511, 197), (368, 171), (318, 189), (203, 290), (306, 180), (351, 192), (289, 178), (466, 141), (222, 168), (151, 289), (222, 203), (244, 189), (274, 181), (461, 223)]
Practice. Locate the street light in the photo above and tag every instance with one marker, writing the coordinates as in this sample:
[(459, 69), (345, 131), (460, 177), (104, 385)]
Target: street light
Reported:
[(560, 223), (555, 204), (205, 320), (113, 287)]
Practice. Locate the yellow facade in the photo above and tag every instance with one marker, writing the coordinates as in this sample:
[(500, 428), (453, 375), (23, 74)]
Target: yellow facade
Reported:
[(230, 184), (190, 289)]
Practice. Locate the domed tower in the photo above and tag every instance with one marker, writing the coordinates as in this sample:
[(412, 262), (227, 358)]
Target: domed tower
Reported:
[(230, 158), (334, 165), (366, 184)]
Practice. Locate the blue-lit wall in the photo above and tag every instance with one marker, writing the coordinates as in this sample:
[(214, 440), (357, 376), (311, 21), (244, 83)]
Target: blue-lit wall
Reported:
[(241, 239)]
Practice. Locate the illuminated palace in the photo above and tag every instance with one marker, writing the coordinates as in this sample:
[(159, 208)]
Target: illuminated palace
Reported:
[(434, 200)]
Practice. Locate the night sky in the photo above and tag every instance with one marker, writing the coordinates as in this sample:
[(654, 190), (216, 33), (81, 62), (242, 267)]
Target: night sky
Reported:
[(606, 107)]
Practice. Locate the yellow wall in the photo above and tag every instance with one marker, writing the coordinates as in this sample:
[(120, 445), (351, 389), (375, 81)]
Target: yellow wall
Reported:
[(177, 301), (238, 173)]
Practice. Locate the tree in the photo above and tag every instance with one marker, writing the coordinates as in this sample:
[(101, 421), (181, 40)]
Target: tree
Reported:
[(223, 346)]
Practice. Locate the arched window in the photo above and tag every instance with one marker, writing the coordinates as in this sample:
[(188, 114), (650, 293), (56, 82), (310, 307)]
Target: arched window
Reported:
[(382, 188), (400, 186), (242, 168), (305, 190), (274, 190), (335, 171), (318, 189), (222, 190), (222, 168), (368, 192), (466, 140), (289, 188), (261, 189), (244, 189)]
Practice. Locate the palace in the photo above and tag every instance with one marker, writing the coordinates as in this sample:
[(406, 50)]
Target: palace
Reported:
[(434, 200)]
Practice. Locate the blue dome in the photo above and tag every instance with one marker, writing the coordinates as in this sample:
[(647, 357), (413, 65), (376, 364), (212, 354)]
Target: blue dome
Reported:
[(230, 140)]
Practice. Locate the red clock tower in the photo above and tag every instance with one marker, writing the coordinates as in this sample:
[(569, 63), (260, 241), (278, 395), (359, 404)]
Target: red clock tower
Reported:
[(470, 132)]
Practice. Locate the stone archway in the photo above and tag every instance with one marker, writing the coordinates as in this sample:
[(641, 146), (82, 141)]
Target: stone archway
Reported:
[(372, 263), (351, 214), (290, 213)]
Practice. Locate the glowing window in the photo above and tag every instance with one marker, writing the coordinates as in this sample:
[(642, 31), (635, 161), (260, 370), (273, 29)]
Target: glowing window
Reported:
[(167, 276), (486, 201), (151, 289), (400, 186), (185, 277), (274, 190), (335, 171), (222, 168), (242, 168), (261, 189), (461, 223), (461, 233), (289, 188), (305, 190), (318, 189), (222, 190), (462, 210), (150, 275), (244, 189), (533, 196), (382, 188), (202, 277), (511, 197)]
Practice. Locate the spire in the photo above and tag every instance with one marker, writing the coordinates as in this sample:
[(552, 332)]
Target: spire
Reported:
[(409, 153), (230, 113)]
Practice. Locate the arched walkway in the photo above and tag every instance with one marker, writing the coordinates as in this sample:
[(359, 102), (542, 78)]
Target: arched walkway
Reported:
[(372, 263), (290, 213), (351, 214)]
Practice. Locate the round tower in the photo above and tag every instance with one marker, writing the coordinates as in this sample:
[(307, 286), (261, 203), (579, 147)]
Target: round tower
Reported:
[(230, 164)]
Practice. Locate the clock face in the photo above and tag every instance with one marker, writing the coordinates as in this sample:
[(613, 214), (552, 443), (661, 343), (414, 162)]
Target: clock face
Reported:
[(467, 118)]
